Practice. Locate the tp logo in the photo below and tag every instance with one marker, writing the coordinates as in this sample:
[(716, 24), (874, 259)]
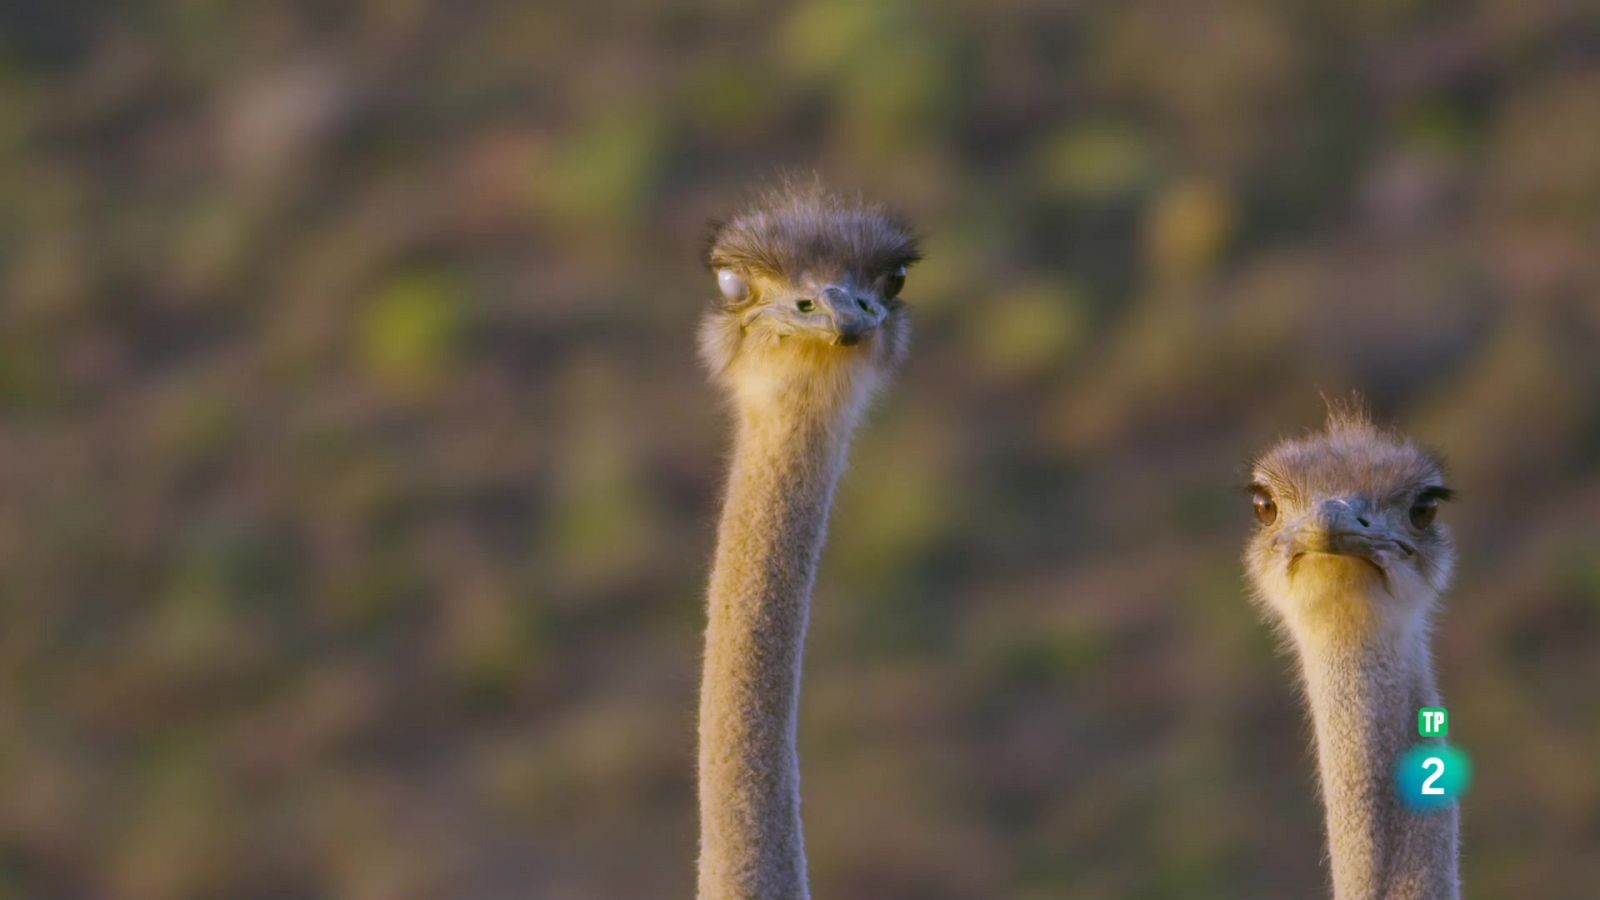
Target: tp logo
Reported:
[(1433, 721), (1432, 776)]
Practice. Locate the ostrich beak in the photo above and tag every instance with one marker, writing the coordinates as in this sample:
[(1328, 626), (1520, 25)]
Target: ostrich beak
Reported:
[(849, 318), (1346, 526)]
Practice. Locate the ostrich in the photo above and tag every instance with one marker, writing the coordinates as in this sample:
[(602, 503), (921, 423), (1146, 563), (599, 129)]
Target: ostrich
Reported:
[(1349, 563), (807, 327)]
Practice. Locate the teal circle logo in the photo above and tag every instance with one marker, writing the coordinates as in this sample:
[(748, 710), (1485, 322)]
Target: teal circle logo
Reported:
[(1432, 776)]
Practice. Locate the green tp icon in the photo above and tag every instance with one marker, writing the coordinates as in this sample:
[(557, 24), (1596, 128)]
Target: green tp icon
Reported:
[(1433, 721)]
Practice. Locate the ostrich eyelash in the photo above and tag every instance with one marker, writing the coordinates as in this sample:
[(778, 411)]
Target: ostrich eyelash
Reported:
[(1437, 492)]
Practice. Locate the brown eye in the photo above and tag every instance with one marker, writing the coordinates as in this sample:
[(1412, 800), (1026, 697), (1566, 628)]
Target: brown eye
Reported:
[(893, 283), (1266, 509), (1423, 511)]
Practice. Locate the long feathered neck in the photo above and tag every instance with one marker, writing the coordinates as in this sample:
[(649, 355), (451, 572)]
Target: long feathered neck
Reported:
[(1364, 696), (788, 454)]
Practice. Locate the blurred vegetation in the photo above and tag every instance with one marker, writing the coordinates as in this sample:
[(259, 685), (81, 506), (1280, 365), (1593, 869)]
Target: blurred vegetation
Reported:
[(357, 477)]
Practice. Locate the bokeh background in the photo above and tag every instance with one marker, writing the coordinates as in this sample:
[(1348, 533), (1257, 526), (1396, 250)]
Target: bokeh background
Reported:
[(357, 478)]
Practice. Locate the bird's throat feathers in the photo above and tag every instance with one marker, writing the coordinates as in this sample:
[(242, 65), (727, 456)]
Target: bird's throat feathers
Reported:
[(782, 383), (1336, 600)]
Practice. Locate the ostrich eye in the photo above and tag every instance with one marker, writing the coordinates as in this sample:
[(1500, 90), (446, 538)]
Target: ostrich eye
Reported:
[(732, 286), (1423, 511), (893, 282), (1266, 508)]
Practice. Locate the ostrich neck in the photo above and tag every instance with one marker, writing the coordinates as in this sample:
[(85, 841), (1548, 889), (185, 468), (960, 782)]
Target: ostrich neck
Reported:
[(1364, 697), (785, 467)]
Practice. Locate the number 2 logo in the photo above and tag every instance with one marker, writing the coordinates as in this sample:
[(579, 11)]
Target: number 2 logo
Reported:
[(1436, 765), (1432, 776)]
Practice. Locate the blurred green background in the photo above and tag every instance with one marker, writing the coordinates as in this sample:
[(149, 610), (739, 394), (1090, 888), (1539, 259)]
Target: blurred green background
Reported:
[(357, 477)]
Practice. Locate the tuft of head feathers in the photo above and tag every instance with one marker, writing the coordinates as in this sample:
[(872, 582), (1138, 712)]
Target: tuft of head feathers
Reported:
[(1350, 454), (1347, 414), (799, 227)]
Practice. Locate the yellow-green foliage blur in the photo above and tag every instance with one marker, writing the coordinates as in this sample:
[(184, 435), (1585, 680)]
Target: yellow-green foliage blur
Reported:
[(357, 477)]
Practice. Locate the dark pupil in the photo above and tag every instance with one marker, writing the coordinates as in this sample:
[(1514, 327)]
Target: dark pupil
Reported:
[(1422, 513), (893, 284)]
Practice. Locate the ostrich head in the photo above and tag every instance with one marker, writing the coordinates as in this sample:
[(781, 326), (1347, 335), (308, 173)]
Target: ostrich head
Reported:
[(808, 295), (1348, 545)]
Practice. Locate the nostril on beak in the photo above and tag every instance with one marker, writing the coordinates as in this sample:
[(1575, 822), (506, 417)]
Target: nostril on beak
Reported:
[(861, 302), (1365, 522)]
